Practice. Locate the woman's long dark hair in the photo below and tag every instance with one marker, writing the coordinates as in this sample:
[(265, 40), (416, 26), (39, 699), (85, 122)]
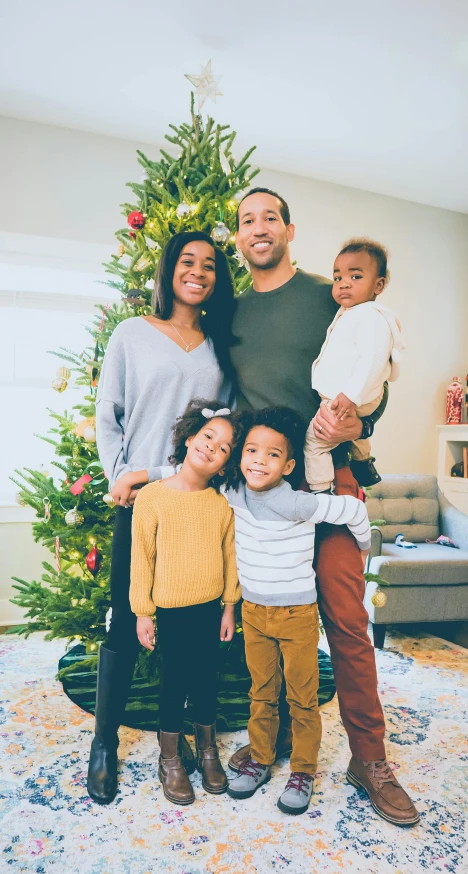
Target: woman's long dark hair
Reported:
[(219, 309)]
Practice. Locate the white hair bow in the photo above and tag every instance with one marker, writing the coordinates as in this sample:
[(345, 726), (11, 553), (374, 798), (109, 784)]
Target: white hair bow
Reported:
[(210, 414)]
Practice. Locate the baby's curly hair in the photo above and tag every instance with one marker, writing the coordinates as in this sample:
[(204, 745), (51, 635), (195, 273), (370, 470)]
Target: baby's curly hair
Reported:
[(191, 422), (377, 252)]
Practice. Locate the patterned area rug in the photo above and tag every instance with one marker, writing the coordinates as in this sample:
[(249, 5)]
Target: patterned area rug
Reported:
[(48, 824)]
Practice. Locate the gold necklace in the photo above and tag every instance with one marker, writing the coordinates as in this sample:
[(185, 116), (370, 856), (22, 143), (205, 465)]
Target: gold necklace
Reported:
[(187, 345)]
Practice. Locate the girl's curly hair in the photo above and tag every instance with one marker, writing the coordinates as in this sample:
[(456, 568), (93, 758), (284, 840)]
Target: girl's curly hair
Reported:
[(191, 422)]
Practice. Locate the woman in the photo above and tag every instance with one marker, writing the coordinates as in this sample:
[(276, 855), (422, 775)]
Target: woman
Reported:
[(154, 365)]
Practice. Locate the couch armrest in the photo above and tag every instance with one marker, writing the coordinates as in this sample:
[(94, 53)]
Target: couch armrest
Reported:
[(453, 523), (376, 541)]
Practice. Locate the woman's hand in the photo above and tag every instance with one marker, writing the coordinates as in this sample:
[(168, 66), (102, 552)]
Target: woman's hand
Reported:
[(228, 626), (146, 632), (124, 492), (342, 405)]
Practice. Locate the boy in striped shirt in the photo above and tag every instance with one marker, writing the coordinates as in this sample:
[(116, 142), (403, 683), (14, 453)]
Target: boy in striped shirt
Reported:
[(275, 530)]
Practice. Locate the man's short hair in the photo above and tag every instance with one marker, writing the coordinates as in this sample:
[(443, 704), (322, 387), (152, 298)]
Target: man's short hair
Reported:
[(284, 208)]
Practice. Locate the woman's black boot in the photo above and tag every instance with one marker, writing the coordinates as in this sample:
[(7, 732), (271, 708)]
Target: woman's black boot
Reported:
[(114, 679)]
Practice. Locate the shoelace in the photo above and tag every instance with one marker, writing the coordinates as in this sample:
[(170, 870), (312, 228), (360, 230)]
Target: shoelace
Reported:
[(251, 769), (381, 772), (300, 781)]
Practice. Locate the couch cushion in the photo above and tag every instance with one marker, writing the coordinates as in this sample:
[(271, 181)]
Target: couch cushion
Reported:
[(409, 504), (427, 565)]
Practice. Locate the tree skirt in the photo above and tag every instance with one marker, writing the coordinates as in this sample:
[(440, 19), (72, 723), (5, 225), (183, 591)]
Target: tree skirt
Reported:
[(79, 683)]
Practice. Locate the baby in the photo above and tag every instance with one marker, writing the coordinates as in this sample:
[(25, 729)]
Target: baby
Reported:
[(362, 350)]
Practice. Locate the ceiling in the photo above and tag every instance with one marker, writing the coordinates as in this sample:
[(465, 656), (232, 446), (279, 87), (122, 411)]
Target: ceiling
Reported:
[(371, 95)]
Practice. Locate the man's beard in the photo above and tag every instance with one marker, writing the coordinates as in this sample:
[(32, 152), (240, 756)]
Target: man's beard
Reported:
[(276, 255)]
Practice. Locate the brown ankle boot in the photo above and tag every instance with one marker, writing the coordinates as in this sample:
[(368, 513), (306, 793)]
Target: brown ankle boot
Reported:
[(214, 779), (175, 782)]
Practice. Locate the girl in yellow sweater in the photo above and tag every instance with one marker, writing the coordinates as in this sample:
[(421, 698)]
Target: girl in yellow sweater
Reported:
[(183, 563)]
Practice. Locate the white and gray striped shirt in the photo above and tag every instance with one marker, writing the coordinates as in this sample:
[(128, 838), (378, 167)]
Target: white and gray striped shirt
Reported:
[(275, 533)]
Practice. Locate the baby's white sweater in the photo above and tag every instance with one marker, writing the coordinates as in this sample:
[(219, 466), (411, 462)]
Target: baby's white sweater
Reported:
[(361, 351)]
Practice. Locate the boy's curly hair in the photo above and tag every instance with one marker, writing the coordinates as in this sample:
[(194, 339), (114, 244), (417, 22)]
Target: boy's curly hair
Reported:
[(284, 421), (191, 422)]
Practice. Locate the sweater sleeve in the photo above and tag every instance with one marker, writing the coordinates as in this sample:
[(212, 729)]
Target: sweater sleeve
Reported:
[(232, 591), (374, 340), (337, 510), (144, 528), (110, 410)]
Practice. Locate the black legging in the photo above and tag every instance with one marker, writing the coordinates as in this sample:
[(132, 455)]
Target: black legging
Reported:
[(122, 636), (189, 645)]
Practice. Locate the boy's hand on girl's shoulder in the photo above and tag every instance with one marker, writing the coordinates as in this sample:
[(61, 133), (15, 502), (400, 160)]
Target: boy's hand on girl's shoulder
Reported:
[(228, 625), (342, 405), (146, 632)]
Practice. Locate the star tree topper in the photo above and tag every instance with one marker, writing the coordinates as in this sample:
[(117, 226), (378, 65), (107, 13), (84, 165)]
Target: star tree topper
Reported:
[(206, 85)]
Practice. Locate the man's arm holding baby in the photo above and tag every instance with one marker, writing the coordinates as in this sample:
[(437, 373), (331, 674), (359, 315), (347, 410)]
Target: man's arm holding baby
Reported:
[(328, 427)]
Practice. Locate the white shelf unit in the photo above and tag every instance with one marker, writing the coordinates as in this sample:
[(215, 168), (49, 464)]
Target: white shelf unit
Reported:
[(452, 439)]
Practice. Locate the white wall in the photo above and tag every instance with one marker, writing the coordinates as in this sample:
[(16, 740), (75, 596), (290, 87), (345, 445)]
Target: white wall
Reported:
[(66, 184)]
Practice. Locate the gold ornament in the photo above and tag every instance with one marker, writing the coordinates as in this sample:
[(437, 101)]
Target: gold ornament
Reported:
[(89, 434), (379, 598), (121, 250), (74, 518), (59, 384), (63, 372), (109, 500), (81, 427), (74, 602), (82, 601)]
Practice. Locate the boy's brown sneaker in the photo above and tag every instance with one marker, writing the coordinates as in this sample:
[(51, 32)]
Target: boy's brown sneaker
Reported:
[(242, 755), (387, 797)]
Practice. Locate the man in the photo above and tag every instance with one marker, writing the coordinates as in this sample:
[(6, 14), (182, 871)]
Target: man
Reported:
[(280, 323)]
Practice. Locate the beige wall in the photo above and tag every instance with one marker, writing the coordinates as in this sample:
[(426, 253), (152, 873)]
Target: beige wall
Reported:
[(68, 184)]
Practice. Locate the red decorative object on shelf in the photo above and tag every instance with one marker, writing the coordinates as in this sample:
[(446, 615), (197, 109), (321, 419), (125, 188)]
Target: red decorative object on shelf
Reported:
[(454, 402)]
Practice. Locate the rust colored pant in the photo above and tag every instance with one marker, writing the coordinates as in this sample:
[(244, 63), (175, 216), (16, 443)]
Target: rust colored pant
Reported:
[(340, 587)]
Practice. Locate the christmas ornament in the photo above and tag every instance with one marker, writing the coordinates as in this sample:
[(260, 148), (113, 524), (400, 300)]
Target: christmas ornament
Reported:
[(132, 235), (89, 434), (183, 210), (94, 561), (120, 250), (57, 554), (379, 598), (454, 402), (136, 220), (74, 518), (109, 500), (74, 602), (63, 372), (220, 233), (134, 298), (206, 85), (59, 384), (141, 265), (241, 260), (46, 503), (81, 427), (103, 317), (19, 499), (79, 485)]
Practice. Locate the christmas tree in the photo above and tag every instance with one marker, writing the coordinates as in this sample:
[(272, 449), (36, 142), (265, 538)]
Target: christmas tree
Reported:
[(196, 186)]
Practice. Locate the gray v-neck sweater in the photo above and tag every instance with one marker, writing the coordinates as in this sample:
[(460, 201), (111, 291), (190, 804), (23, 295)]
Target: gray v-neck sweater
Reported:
[(146, 382)]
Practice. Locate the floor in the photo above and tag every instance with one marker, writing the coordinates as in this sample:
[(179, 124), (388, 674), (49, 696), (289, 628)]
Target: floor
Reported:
[(48, 824)]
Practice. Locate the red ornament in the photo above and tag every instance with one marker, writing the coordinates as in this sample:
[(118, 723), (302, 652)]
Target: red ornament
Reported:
[(132, 234), (78, 487), (94, 561), (136, 220)]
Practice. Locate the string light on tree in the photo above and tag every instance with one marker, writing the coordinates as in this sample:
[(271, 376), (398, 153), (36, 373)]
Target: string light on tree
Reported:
[(183, 210)]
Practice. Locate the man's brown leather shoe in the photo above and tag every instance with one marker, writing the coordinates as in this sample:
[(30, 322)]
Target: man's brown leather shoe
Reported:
[(175, 782), (387, 797), (242, 755), (214, 779)]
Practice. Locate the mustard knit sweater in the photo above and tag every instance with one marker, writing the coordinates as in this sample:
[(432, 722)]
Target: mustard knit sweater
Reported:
[(182, 549)]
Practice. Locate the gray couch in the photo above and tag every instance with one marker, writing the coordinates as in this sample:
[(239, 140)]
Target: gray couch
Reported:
[(426, 584)]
